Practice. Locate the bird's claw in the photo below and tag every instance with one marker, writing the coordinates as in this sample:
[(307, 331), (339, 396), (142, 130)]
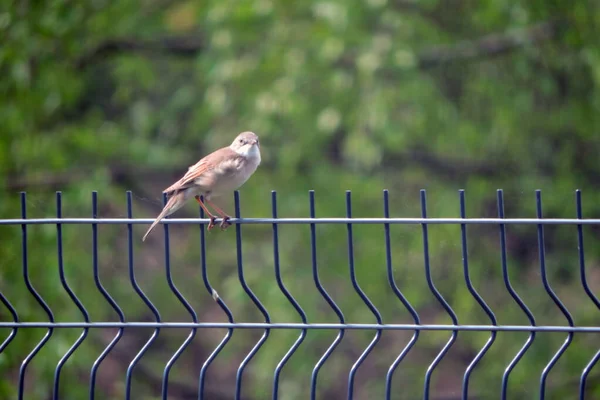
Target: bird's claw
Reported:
[(225, 223), (211, 224)]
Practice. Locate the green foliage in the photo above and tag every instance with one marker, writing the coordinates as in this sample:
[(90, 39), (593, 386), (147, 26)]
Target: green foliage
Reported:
[(345, 95)]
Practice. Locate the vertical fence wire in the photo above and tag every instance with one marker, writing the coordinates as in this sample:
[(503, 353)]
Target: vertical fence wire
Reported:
[(106, 296), (326, 296), (15, 317), (251, 295), (37, 298), (142, 295), (439, 298), (552, 294), (515, 296), (583, 276), (289, 297), (401, 297), (186, 305), (220, 302), (476, 296), (72, 296), (362, 295)]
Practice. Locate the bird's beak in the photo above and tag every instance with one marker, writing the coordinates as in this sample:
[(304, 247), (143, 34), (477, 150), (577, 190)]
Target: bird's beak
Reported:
[(255, 142)]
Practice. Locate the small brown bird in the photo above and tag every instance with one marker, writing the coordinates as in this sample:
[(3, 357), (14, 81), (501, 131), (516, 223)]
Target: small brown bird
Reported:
[(216, 174)]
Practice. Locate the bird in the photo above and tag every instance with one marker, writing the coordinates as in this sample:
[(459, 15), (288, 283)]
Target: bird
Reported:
[(220, 172)]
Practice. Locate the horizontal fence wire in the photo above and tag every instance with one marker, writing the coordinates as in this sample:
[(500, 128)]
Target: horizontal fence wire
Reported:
[(10, 318), (299, 326), (305, 221)]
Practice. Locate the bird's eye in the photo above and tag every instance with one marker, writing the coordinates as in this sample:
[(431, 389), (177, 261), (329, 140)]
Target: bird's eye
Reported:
[(241, 140)]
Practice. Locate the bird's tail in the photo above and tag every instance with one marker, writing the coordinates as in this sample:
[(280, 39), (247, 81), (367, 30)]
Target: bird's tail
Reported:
[(175, 203)]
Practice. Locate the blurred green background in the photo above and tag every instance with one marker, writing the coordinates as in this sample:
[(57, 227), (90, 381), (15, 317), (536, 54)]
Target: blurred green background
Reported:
[(345, 95)]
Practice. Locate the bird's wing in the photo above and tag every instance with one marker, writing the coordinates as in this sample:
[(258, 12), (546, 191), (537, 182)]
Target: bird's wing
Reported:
[(193, 173), (201, 167)]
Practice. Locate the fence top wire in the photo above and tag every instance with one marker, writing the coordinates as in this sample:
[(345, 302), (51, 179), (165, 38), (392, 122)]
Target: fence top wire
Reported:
[(295, 325), (255, 221)]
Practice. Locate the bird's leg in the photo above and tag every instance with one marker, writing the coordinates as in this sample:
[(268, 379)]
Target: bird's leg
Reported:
[(211, 224), (225, 223)]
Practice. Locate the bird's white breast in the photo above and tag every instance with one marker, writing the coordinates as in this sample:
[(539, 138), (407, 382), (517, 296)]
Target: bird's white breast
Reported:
[(250, 152), (235, 172)]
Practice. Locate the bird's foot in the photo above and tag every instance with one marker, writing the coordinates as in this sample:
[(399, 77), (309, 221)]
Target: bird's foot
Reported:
[(225, 222), (211, 224)]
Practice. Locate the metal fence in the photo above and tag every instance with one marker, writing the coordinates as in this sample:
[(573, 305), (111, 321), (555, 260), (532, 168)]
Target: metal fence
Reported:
[(11, 320)]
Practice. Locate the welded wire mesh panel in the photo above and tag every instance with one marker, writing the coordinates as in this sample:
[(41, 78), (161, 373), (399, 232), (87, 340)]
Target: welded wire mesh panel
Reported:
[(302, 307)]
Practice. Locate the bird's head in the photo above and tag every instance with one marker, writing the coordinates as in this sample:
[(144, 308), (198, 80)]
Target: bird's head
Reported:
[(246, 144)]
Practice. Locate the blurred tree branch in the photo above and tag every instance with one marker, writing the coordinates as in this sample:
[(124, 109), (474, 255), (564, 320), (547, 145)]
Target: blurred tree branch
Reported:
[(449, 167), (412, 5), (185, 46), (452, 168), (487, 46)]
